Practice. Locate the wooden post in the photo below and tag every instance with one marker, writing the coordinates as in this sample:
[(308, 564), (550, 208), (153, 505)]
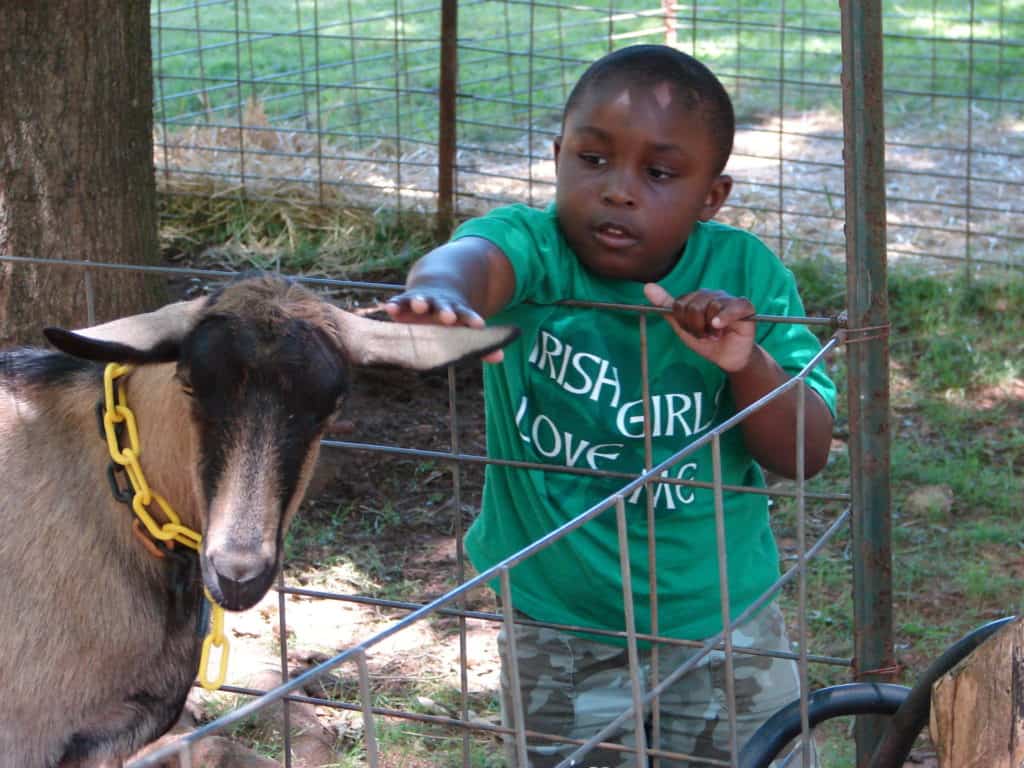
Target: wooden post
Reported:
[(977, 716)]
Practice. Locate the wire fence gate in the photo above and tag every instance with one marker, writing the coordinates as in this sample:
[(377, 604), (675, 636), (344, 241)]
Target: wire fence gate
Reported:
[(810, 540), (811, 532)]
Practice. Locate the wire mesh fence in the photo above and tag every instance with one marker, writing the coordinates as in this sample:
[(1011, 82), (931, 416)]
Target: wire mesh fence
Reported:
[(362, 104), (809, 520), (353, 680), (337, 104)]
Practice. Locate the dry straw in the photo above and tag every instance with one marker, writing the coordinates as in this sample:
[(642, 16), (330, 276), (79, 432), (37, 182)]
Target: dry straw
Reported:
[(341, 207)]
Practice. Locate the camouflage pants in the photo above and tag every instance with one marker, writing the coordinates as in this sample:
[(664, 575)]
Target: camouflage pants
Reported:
[(573, 686)]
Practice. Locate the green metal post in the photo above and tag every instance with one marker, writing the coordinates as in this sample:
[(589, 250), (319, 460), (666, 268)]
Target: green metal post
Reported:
[(867, 352)]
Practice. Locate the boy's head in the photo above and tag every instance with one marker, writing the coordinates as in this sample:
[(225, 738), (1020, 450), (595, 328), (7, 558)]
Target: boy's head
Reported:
[(645, 66), (646, 133)]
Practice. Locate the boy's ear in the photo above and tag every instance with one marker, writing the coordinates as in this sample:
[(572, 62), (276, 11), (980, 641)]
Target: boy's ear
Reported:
[(717, 194), (557, 146)]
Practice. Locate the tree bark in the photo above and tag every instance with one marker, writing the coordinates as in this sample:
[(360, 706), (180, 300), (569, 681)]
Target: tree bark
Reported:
[(76, 162), (977, 716)]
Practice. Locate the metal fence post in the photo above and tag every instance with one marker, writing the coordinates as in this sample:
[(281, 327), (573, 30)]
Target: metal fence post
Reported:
[(446, 138), (867, 352)]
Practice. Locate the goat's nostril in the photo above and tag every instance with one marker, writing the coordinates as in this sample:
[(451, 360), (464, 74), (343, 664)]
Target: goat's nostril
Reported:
[(237, 567), (238, 582)]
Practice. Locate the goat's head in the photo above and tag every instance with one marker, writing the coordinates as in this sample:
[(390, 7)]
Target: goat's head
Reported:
[(265, 363)]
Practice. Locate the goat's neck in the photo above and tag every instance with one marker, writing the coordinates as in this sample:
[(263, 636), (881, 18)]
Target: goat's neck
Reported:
[(167, 439)]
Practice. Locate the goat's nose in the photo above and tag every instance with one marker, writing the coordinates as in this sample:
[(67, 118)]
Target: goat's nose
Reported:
[(239, 581), (237, 566)]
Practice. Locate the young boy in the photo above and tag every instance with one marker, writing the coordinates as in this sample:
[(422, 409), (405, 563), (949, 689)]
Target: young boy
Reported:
[(646, 134)]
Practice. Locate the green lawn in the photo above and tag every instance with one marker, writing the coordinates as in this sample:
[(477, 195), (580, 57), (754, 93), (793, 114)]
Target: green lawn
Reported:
[(369, 69)]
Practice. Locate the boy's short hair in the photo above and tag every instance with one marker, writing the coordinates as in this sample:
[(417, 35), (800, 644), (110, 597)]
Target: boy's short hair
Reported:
[(652, 64)]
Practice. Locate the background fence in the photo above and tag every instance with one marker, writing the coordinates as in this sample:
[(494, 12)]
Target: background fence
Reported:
[(362, 104)]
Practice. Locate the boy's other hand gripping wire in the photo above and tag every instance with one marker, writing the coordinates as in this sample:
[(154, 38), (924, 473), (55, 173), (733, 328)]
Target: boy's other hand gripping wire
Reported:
[(713, 324)]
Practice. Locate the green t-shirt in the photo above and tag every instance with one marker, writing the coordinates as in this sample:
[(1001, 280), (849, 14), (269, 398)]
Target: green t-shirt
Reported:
[(569, 393)]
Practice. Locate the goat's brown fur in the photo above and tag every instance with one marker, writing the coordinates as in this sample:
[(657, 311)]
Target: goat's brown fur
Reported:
[(79, 638)]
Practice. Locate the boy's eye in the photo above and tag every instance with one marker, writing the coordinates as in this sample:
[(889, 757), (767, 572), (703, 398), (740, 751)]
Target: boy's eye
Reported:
[(592, 159), (659, 174)]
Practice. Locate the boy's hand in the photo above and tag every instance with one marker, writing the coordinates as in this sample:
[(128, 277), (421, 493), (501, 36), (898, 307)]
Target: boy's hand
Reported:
[(711, 323), (439, 307), (432, 305)]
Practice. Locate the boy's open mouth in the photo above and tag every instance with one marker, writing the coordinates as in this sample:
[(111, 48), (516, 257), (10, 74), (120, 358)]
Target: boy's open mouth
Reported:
[(614, 235)]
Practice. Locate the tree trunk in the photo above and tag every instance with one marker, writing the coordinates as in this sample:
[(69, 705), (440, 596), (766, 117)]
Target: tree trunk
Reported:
[(76, 162), (977, 717)]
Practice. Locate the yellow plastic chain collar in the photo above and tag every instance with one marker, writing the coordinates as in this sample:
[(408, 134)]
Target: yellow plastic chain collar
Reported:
[(116, 411)]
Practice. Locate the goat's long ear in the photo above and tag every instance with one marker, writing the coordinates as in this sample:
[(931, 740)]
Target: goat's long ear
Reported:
[(420, 347), (153, 337)]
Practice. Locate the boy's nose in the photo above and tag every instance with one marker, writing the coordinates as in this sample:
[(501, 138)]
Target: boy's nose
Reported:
[(618, 190)]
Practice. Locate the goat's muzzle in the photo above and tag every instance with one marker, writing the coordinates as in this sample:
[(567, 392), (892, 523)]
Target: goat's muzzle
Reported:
[(237, 581)]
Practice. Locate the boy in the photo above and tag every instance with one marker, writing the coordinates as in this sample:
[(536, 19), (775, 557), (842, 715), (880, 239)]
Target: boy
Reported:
[(646, 134)]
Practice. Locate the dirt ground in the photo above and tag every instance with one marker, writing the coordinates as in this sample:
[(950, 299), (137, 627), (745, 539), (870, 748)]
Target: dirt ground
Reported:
[(380, 525)]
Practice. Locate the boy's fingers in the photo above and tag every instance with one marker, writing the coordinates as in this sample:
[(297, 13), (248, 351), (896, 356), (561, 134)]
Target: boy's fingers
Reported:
[(472, 319), (423, 310), (419, 305), (657, 295), (732, 312), (701, 314), (403, 312), (414, 308), (695, 311), (444, 312)]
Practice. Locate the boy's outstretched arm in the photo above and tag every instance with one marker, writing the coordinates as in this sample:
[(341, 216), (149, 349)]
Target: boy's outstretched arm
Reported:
[(458, 283), (713, 324)]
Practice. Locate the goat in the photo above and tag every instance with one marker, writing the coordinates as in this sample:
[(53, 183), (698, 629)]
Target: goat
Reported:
[(100, 639)]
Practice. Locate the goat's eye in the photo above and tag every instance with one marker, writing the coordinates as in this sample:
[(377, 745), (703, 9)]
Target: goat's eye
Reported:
[(185, 383), (339, 407)]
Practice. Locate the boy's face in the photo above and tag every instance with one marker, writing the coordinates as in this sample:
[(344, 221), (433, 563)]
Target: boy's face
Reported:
[(636, 169)]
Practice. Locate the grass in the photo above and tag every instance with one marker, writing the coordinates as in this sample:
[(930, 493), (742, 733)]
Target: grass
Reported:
[(957, 428), (419, 745), (372, 76)]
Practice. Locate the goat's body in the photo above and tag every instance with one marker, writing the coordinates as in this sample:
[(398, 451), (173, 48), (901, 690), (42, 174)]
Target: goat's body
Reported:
[(94, 662)]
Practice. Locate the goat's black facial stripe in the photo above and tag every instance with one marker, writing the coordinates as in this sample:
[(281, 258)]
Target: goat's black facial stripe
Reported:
[(290, 380)]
